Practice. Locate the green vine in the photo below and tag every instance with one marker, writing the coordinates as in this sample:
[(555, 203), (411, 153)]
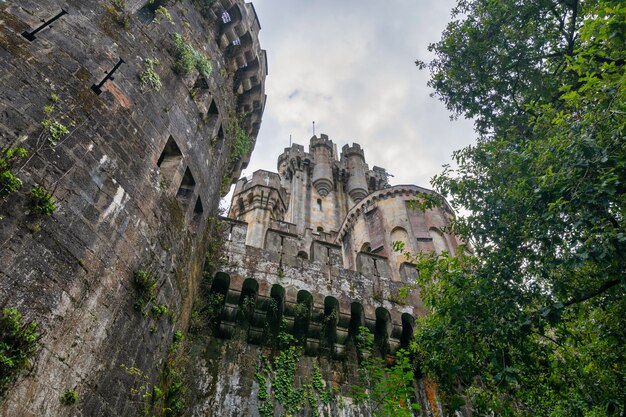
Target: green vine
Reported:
[(319, 384), (388, 388), (281, 376)]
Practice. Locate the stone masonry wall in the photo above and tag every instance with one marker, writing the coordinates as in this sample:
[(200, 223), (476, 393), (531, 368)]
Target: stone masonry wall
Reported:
[(226, 360), (117, 212)]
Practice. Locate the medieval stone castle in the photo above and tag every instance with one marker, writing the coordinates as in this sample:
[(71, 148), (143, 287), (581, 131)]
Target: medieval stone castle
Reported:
[(136, 175)]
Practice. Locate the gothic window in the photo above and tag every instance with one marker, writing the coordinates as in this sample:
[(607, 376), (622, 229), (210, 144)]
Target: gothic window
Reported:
[(319, 203)]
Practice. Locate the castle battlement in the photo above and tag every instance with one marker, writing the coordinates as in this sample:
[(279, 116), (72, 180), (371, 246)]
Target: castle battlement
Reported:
[(291, 268), (332, 246)]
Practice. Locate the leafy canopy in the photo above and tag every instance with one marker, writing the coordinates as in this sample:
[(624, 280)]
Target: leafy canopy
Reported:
[(535, 322)]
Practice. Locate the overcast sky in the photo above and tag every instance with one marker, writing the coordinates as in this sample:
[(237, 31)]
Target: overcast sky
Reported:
[(349, 66)]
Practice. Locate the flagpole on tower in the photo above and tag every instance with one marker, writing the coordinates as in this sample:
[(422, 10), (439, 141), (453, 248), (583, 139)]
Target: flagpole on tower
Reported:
[(313, 127)]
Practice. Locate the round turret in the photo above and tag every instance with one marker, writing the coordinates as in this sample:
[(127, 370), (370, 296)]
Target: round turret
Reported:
[(356, 167), (322, 151)]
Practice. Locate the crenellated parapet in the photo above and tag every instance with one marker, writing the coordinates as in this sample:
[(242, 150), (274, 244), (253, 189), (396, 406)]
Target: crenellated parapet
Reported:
[(305, 284), (377, 179), (293, 159)]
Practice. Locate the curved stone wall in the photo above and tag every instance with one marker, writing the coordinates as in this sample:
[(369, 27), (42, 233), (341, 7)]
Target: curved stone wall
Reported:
[(134, 179)]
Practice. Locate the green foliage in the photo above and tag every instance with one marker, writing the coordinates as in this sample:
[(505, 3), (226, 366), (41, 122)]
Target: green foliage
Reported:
[(301, 309), (215, 302), (285, 339), (284, 380), (247, 307), (215, 246), (397, 246), (266, 409), (226, 183), (401, 296), (142, 388), (168, 397), (42, 201), (175, 390), (9, 182), (56, 130), (160, 310), (535, 324), (118, 12), (319, 385), (18, 343), (262, 381), (272, 305), (149, 77), (145, 288), (242, 142), (69, 397), (187, 58), (52, 127), (388, 390), (162, 13), (281, 376)]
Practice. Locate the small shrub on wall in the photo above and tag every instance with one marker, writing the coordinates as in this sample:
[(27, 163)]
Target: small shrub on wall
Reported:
[(18, 343)]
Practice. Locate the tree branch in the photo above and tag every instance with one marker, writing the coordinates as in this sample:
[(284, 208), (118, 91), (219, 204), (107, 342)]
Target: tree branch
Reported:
[(597, 292)]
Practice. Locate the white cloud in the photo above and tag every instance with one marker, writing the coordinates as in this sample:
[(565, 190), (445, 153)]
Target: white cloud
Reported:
[(349, 66)]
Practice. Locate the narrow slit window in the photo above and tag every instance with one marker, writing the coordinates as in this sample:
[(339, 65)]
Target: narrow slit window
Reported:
[(213, 109), (198, 209), (170, 159), (187, 185)]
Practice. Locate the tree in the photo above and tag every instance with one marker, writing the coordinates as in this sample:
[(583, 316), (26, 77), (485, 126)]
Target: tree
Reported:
[(534, 322)]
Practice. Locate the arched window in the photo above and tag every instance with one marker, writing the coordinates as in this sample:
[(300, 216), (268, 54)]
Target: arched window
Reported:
[(398, 234)]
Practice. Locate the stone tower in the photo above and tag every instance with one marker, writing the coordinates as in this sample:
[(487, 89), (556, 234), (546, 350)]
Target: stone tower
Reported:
[(316, 236), (134, 171)]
